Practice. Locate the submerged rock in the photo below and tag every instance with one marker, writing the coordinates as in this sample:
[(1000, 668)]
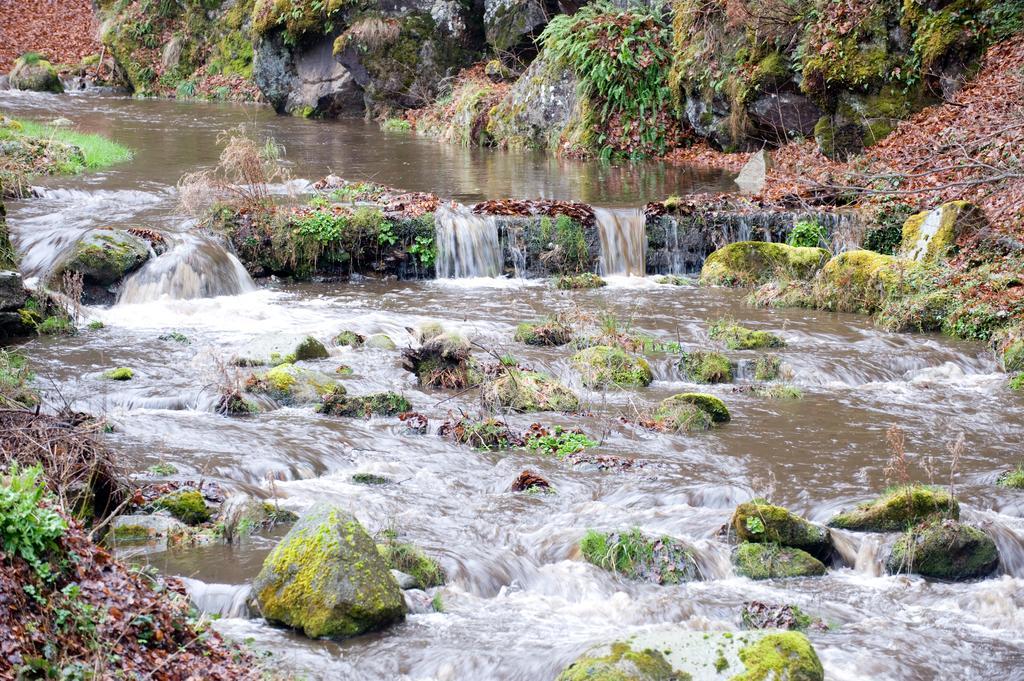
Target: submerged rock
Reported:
[(528, 391), (35, 74), (771, 561), (660, 560), (380, 341), (327, 578), (603, 366), (751, 263), (944, 549), (897, 510), (760, 522), (669, 653)]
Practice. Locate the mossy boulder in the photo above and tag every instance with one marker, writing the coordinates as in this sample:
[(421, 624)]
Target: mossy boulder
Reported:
[(289, 384), (933, 235), (944, 549), (104, 257), (860, 281), (188, 506), (327, 578), (547, 333), (689, 412), (760, 522), (309, 348), (119, 374), (339, 403), (897, 510), (38, 75), (350, 339), (380, 341), (660, 560), (738, 337), (602, 366), (406, 558), (771, 561), (752, 263), (672, 653), (528, 391), (706, 366), (573, 282)]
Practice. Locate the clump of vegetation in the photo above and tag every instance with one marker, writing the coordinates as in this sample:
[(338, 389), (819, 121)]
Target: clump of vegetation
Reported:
[(521, 390), (119, 374), (767, 367), (898, 509), (442, 361), (564, 245), (706, 366), (350, 339), (557, 442), (1013, 479), (396, 125), (370, 479), (412, 561), (15, 381), (488, 434), (621, 57), (777, 391), (761, 615), (338, 403), (188, 506), (551, 332), (738, 337), (661, 560), (29, 528), (602, 366), (807, 234), (574, 282), (887, 233)]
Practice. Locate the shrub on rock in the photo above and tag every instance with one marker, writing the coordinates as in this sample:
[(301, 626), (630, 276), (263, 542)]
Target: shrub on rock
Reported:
[(289, 384), (898, 509), (327, 578), (752, 263), (944, 549), (603, 366)]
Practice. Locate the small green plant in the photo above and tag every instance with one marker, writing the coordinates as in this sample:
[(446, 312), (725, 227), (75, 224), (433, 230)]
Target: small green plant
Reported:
[(807, 233), (755, 524), (56, 325), (437, 603), (560, 443), (164, 469), (424, 249), (175, 336), (28, 528), (396, 125), (95, 325), (31, 58), (1013, 479), (15, 377)]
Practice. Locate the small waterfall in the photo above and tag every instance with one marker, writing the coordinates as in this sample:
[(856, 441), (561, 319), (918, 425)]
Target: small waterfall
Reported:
[(623, 241), (467, 244), (225, 600), (196, 267), (864, 552)]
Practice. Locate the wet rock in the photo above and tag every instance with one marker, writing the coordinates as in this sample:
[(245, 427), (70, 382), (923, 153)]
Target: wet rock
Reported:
[(241, 515), (12, 292), (405, 581), (573, 282), (419, 602), (380, 341), (424, 571), (860, 281), (705, 366), (512, 24), (538, 107), (309, 348), (604, 366), (529, 481), (752, 263), (103, 257), (779, 117), (761, 615), (304, 80), (944, 549), (290, 384), (897, 510), (669, 653), (188, 506), (34, 74), (146, 526), (350, 339), (760, 522), (370, 479), (659, 560), (551, 333), (327, 578), (528, 391), (688, 412), (933, 235), (338, 403), (738, 337), (771, 561)]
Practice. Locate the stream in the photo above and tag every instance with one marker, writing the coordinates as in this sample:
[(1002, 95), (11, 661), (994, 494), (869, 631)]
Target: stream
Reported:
[(520, 602)]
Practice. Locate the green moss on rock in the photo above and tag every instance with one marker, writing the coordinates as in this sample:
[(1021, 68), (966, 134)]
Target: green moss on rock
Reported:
[(933, 235), (738, 337), (188, 506), (705, 366), (944, 549), (759, 522), (327, 578), (602, 366), (546, 333), (338, 403), (752, 263), (119, 374), (622, 663), (350, 339), (309, 348), (767, 367), (528, 391), (709, 404), (860, 281), (1014, 479), (783, 655), (38, 75), (897, 510), (572, 282), (408, 559), (660, 560), (771, 561), (680, 416)]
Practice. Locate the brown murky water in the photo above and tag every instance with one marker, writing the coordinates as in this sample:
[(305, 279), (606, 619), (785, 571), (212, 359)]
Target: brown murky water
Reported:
[(520, 604)]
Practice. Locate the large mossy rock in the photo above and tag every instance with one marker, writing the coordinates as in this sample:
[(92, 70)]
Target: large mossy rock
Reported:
[(760, 522), (933, 235), (512, 24), (687, 412), (898, 510), (706, 366), (670, 653), (539, 107), (104, 257), (659, 560), (35, 74), (290, 384), (772, 561), (603, 366), (860, 281), (944, 549), (528, 391), (328, 579), (752, 263)]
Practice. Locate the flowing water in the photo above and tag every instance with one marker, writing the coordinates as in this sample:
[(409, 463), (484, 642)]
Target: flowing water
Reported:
[(520, 604), (467, 244), (623, 241)]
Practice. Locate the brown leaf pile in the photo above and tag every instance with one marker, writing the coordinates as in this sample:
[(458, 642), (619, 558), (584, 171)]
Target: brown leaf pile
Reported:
[(529, 480), (580, 212), (104, 618), (63, 31)]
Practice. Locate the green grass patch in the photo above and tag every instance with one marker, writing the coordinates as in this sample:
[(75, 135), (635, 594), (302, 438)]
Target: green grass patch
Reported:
[(97, 151)]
